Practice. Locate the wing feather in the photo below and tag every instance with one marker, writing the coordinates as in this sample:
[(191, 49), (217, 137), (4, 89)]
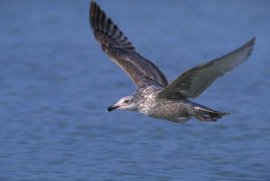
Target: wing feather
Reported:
[(194, 81), (121, 51)]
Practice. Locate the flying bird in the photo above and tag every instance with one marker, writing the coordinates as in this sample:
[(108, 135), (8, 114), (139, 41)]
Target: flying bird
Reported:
[(155, 96)]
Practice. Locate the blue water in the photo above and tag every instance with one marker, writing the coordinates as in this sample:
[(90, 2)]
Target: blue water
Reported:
[(56, 84)]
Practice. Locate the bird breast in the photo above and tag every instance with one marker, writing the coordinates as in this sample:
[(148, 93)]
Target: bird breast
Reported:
[(164, 108)]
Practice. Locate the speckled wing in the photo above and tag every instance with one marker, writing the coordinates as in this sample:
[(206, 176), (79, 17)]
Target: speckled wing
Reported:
[(121, 51), (194, 81)]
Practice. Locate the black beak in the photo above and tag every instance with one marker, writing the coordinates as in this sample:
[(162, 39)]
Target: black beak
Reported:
[(111, 108)]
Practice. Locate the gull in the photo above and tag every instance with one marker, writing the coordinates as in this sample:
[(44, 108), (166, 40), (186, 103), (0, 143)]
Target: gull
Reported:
[(155, 96)]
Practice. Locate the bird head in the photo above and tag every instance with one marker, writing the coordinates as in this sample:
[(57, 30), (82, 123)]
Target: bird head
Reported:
[(125, 103)]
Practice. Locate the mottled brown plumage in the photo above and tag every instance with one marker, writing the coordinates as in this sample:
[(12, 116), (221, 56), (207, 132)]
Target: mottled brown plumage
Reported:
[(155, 97)]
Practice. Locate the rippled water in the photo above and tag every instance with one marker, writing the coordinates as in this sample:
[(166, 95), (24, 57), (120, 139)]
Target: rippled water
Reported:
[(56, 85)]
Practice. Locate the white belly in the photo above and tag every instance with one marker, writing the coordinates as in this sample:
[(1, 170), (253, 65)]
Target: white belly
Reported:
[(176, 111)]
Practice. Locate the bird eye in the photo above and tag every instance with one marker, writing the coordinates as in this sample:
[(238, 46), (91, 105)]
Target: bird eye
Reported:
[(126, 101)]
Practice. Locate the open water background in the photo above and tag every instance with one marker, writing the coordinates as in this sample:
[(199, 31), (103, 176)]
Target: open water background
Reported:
[(56, 83)]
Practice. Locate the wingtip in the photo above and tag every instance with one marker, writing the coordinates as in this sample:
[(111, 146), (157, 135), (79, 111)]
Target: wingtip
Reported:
[(93, 2), (251, 44), (94, 11), (93, 6), (253, 40)]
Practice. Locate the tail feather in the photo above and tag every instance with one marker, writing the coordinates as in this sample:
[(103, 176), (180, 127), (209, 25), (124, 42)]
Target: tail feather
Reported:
[(205, 114)]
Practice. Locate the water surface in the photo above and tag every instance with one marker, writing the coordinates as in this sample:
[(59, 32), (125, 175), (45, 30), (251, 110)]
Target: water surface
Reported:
[(56, 85)]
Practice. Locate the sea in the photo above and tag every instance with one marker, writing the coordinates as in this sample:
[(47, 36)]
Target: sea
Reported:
[(56, 85)]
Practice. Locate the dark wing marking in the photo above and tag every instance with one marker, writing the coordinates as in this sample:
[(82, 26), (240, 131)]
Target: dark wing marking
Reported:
[(194, 81), (121, 51)]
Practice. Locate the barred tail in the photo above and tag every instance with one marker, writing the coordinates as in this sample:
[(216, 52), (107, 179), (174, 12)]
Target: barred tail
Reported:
[(205, 114)]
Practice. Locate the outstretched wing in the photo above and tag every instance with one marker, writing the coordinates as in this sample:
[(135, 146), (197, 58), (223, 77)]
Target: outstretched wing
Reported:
[(194, 81), (121, 51)]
